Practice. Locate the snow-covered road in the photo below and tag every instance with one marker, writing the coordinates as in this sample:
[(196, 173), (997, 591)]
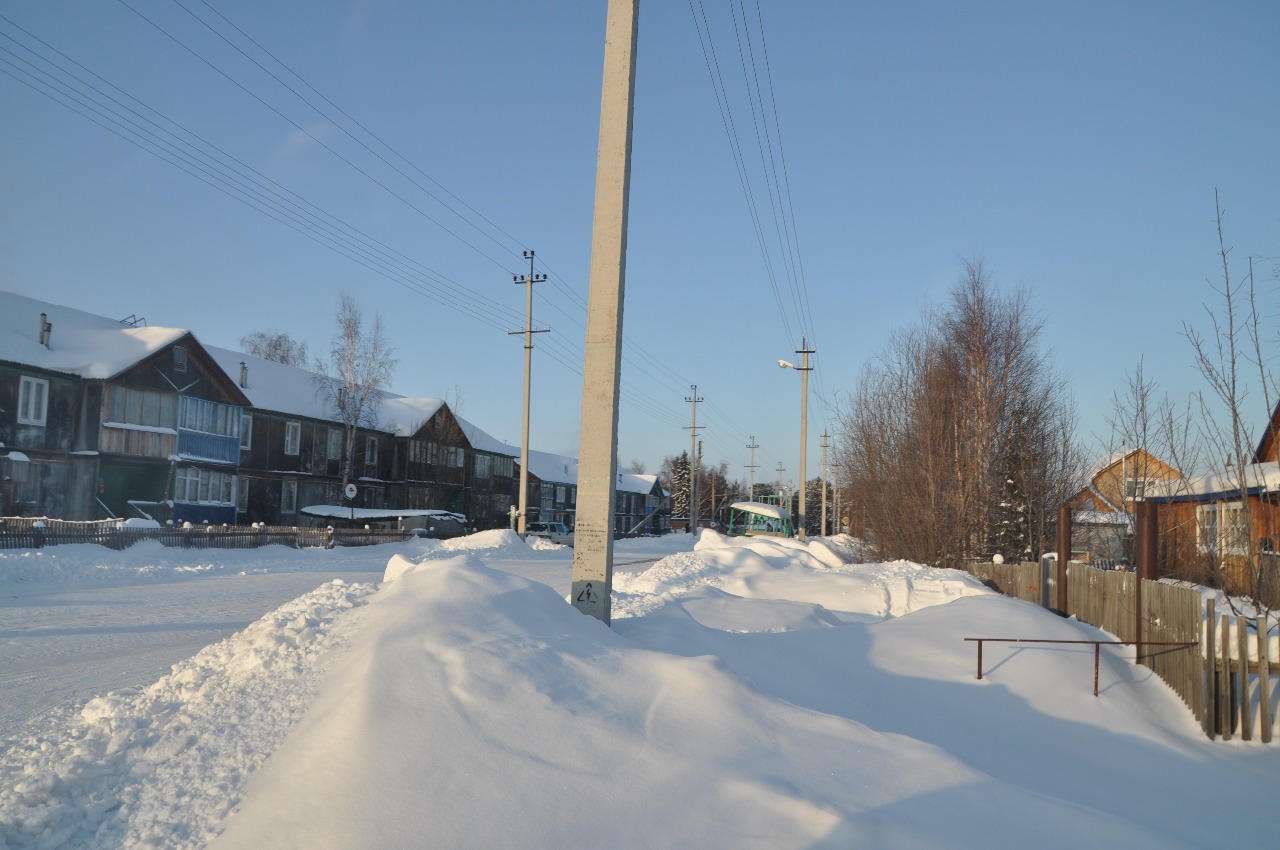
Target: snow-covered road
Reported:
[(77, 622), (62, 645)]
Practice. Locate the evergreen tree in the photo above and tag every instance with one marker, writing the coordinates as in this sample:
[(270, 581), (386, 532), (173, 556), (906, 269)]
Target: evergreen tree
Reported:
[(675, 480)]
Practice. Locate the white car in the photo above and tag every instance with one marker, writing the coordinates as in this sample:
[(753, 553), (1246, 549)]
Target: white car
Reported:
[(556, 532)]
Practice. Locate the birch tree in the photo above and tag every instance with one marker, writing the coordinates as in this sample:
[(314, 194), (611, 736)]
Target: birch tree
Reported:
[(360, 365), (957, 411)]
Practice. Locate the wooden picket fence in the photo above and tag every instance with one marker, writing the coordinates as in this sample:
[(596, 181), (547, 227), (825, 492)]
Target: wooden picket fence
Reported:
[(1221, 667), (1239, 691), (27, 533), (1021, 581)]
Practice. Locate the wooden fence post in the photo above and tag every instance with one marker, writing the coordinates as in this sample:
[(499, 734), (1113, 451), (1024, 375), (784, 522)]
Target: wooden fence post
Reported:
[(1209, 662), (1242, 649), (1264, 678), (1224, 677), (1064, 556), (1146, 543)]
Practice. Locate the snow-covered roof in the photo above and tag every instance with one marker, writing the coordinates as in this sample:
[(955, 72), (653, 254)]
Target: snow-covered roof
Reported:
[(1117, 518), (80, 343), (299, 392), (374, 514), (1221, 483), (483, 441), (553, 468), (635, 482), (775, 511)]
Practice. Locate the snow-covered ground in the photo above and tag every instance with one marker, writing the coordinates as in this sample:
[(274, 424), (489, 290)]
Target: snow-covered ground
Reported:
[(750, 694)]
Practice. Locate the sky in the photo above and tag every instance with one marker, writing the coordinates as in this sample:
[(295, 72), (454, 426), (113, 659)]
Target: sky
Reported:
[(825, 188), (752, 692)]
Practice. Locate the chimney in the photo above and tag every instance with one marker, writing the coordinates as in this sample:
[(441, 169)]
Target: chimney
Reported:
[(244, 375), (46, 330)]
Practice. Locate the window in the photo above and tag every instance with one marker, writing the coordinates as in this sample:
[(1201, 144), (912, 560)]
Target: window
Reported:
[(371, 451), (292, 437), (197, 414), (204, 485), (1235, 528), (335, 444), (33, 401), (1207, 528), (288, 497), (179, 358), (484, 466), (1136, 488), (242, 495), (246, 431)]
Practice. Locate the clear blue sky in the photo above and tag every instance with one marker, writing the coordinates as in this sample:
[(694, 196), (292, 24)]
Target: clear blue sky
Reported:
[(1075, 147)]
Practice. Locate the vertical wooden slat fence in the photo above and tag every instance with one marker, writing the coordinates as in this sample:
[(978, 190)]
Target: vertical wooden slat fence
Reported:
[(1224, 678), (1173, 615), (1102, 598), (1021, 581)]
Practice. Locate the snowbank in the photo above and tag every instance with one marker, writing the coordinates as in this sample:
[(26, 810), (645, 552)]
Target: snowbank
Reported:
[(749, 694), (161, 766)]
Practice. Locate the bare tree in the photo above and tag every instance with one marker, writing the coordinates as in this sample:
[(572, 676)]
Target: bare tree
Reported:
[(360, 365), (277, 346), (957, 414), (1230, 359), (1157, 439)]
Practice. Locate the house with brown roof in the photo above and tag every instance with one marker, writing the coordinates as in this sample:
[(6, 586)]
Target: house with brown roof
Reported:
[(1102, 510)]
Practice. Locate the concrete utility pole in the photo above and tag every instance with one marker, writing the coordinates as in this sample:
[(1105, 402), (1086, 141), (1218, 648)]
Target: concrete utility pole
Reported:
[(694, 462), (598, 449), (528, 282), (824, 482), (751, 494)]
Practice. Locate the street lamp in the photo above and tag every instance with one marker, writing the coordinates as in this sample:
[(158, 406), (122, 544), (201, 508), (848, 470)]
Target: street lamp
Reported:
[(804, 369)]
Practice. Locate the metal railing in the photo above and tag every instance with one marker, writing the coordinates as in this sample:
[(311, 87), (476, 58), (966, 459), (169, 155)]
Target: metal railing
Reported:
[(1097, 645)]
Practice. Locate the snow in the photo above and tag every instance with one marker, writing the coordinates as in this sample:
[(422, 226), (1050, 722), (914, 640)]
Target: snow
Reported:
[(1220, 483), (340, 512), (775, 511), (82, 344), (752, 692)]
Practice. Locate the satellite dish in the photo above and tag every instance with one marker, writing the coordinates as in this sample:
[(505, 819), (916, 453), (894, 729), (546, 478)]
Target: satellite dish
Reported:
[(349, 491)]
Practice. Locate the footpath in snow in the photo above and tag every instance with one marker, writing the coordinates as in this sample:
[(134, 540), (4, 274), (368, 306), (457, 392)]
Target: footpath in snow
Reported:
[(751, 693)]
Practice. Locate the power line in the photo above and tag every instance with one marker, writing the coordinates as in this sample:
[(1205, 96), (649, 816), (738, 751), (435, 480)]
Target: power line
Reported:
[(214, 166)]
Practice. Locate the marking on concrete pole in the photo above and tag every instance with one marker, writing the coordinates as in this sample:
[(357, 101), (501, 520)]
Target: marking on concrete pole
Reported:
[(597, 453)]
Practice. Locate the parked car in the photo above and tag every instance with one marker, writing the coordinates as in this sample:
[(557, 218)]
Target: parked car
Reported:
[(556, 532)]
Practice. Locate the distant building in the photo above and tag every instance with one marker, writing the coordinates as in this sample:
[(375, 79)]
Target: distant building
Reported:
[(1102, 510), (103, 418)]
